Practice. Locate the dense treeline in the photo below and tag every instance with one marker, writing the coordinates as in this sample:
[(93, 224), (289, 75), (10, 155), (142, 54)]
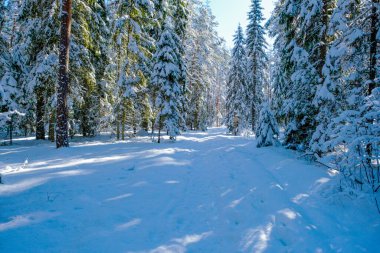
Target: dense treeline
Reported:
[(324, 82), (114, 69), (327, 73), (142, 65)]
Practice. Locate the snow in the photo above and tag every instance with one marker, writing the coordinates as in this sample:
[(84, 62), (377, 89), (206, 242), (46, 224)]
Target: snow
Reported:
[(206, 192)]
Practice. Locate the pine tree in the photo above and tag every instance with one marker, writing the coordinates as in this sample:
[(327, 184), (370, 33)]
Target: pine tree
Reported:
[(133, 48), (63, 78), (165, 78), (282, 26), (36, 51), (311, 50), (3, 45), (2, 15), (237, 89), (101, 92), (8, 84), (11, 20), (9, 89), (180, 17), (202, 48), (257, 58), (349, 71), (36, 57), (89, 58), (15, 93), (351, 93), (2, 12), (302, 45), (220, 88), (267, 130), (162, 9)]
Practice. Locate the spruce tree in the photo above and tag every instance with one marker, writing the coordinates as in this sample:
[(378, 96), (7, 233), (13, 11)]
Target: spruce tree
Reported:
[(180, 17), (267, 130), (220, 88), (36, 50), (350, 70), (2, 15), (351, 93), (11, 25), (302, 44), (257, 58), (89, 58), (133, 49), (237, 87), (165, 78), (201, 55), (8, 84), (282, 26)]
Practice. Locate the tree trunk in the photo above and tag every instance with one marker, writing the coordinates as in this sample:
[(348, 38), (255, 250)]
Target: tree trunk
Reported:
[(373, 47), (254, 93), (11, 131), (52, 126), (159, 132), (153, 121), (123, 121), (85, 122), (40, 113), (372, 67), (118, 127), (253, 117), (63, 77), (324, 42)]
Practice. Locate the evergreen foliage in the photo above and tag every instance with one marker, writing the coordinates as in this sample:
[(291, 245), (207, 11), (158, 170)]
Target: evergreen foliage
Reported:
[(257, 59), (133, 47), (267, 131), (238, 99), (165, 79), (111, 62), (326, 82), (203, 52)]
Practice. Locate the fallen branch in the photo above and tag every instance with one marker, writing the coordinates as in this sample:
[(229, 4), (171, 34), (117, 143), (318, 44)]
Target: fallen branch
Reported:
[(314, 158)]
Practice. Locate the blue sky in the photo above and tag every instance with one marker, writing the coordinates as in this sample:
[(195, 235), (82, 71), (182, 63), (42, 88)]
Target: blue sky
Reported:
[(230, 13)]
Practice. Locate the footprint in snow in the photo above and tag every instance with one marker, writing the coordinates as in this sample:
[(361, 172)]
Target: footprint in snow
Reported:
[(130, 169)]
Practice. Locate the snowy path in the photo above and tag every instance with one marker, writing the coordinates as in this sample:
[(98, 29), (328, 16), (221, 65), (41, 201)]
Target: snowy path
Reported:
[(206, 193)]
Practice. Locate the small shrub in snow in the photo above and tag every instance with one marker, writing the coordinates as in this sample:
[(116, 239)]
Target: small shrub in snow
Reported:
[(267, 131)]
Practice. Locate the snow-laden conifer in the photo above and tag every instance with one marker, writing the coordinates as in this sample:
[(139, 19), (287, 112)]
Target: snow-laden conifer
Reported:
[(237, 102), (302, 42), (351, 70), (165, 79), (257, 58), (132, 50), (204, 49), (267, 130)]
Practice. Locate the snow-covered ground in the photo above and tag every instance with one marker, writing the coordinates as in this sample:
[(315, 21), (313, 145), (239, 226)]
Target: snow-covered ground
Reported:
[(205, 193)]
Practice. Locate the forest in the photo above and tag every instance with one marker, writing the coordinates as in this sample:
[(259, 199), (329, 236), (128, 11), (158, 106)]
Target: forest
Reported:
[(301, 88), (114, 66)]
